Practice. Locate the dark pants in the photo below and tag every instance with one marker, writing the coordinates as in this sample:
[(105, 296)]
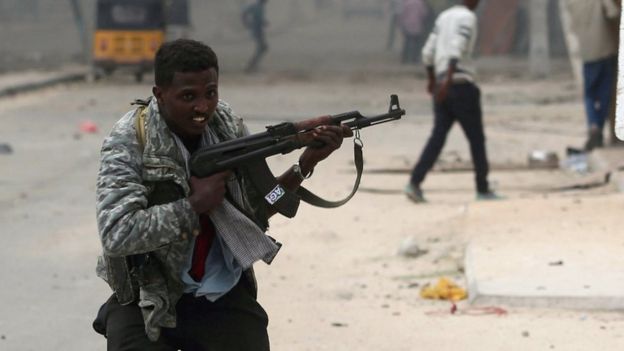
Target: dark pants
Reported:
[(261, 49), (463, 104), (235, 322), (598, 78), (412, 45)]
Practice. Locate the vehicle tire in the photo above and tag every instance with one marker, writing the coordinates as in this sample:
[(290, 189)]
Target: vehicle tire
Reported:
[(95, 74)]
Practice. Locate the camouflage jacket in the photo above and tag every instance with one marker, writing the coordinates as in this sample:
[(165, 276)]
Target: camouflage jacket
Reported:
[(145, 221)]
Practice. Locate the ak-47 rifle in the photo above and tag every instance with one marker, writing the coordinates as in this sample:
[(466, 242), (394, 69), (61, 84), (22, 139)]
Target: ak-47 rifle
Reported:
[(248, 154)]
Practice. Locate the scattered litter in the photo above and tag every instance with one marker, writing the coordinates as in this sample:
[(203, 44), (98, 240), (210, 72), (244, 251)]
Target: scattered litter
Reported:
[(445, 289), (5, 149), (543, 159), (409, 248), (339, 325), (576, 161), (413, 285), (88, 127), (470, 311), (525, 334), (478, 311), (345, 295), (556, 263)]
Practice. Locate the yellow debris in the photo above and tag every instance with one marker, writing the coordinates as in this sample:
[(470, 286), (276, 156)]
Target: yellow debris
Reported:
[(445, 289)]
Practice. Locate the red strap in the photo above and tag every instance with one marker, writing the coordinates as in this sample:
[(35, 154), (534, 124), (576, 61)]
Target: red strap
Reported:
[(203, 242)]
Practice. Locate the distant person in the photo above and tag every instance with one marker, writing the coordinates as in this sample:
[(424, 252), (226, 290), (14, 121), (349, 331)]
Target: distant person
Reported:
[(595, 25), (448, 58), (255, 21), (178, 21), (395, 12), (412, 20)]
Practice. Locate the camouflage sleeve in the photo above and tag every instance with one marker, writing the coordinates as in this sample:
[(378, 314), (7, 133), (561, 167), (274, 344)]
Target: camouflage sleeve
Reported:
[(125, 224), (231, 121)]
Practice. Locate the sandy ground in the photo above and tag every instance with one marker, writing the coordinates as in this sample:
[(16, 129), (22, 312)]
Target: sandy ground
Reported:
[(339, 281)]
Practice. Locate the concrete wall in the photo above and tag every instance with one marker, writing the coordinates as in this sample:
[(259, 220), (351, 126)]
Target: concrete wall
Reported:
[(302, 33)]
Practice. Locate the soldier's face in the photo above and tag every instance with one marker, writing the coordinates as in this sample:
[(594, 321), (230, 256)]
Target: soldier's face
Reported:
[(188, 103)]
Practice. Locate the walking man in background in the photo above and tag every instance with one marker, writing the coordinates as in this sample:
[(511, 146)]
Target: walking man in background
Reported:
[(595, 25), (254, 20), (447, 55)]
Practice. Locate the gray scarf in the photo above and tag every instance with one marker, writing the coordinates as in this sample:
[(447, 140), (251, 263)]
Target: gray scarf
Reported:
[(241, 235)]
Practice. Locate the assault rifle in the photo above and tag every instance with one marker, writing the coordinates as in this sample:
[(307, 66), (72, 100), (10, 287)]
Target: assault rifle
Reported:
[(248, 155)]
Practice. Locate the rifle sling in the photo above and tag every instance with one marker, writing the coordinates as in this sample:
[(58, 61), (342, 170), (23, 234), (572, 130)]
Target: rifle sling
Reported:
[(314, 200), (287, 202), (284, 201)]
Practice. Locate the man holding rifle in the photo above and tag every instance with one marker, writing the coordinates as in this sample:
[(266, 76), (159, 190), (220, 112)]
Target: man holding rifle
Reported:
[(178, 250)]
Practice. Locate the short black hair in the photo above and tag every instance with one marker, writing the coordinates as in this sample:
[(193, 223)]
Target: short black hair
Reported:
[(182, 55)]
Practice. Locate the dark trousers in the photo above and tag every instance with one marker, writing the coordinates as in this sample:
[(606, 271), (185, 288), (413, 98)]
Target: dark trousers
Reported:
[(235, 322), (598, 78), (463, 104), (412, 45), (261, 49)]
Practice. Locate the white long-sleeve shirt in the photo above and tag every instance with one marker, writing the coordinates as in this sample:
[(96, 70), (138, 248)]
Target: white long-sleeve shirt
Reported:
[(453, 37)]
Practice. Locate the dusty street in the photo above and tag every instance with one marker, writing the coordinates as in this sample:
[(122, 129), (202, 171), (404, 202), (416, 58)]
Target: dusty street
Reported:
[(338, 282)]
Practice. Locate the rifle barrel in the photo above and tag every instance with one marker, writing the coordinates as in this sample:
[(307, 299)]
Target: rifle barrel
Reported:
[(363, 122)]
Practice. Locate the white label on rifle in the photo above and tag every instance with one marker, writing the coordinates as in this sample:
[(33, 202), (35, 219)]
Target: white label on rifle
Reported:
[(275, 194)]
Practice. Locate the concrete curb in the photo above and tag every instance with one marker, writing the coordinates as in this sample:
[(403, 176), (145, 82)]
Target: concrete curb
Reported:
[(43, 80), (609, 160), (483, 292)]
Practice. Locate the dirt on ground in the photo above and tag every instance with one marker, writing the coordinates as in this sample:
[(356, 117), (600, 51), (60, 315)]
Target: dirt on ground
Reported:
[(340, 281)]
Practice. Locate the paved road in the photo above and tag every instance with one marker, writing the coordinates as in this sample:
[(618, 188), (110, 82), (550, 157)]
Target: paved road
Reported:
[(49, 243)]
